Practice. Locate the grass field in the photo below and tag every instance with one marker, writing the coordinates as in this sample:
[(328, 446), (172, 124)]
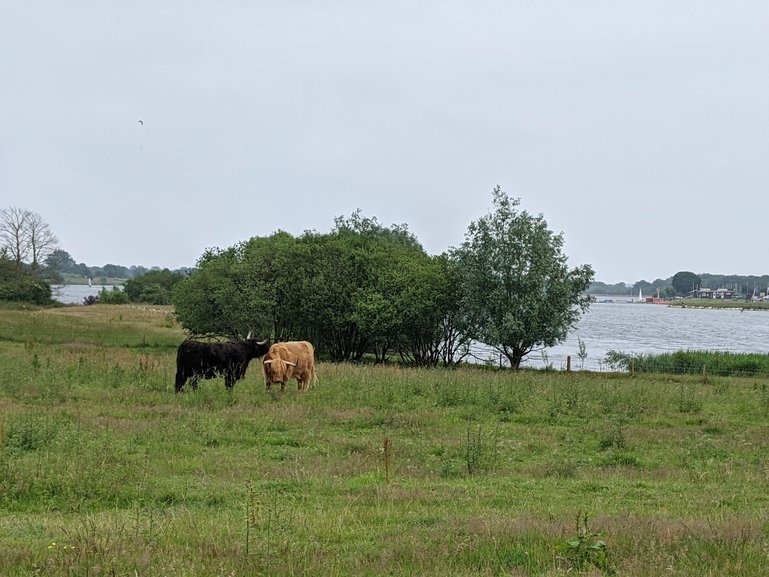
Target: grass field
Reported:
[(374, 471)]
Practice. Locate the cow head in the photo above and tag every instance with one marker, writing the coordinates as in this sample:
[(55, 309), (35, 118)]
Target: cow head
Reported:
[(278, 370), (258, 348)]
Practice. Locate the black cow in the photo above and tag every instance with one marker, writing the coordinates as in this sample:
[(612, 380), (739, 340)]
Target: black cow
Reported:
[(195, 359)]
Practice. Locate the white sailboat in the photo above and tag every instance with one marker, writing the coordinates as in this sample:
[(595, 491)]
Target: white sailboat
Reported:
[(640, 295), (89, 281)]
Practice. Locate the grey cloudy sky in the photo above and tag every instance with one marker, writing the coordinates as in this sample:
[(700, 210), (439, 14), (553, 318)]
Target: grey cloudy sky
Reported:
[(639, 129)]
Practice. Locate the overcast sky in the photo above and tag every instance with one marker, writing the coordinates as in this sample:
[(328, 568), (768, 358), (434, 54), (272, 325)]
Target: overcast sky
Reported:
[(144, 132)]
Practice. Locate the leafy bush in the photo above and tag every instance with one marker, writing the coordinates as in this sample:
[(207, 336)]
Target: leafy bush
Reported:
[(153, 288), (19, 286), (113, 297), (585, 550)]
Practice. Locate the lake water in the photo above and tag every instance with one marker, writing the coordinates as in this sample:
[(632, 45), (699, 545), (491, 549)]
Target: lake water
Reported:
[(73, 294), (649, 328)]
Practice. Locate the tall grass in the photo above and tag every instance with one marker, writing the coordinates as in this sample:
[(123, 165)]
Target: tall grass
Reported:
[(105, 471), (693, 363)]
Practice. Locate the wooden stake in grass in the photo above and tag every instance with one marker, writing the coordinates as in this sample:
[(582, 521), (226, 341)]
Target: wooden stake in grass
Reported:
[(252, 512), (387, 453)]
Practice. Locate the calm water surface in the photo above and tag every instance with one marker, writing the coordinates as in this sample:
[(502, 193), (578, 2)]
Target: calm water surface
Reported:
[(73, 294), (648, 328)]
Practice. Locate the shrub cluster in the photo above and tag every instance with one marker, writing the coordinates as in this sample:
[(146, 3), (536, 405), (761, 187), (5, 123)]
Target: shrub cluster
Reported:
[(17, 285), (362, 290)]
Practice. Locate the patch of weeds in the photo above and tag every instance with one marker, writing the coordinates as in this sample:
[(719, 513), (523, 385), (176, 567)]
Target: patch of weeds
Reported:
[(614, 438), (721, 387), (448, 469), (27, 432), (117, 376), (713, 429), (687, 403), (618, 458), (271, 511), (502, 402), (559, 470), (566, 398), (585, 550), (765, 397), (479, 450), (453, 394)]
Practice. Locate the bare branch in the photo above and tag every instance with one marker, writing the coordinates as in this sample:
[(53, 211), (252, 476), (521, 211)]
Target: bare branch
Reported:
[(14, 235), (42, 241)]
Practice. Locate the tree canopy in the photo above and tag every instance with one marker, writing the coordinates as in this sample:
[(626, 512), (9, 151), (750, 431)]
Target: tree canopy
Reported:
[(685, 282), (516, 286)]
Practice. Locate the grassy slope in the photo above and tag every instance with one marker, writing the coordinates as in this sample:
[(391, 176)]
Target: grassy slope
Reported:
[(103, 470)]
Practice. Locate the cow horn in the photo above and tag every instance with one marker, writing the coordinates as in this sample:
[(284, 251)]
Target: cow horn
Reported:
[(290, 364), (267, 362), (264, 342), (249, 335)]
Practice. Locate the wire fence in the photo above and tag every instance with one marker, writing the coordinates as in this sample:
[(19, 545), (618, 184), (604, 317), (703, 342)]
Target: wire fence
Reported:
[(676, 362)]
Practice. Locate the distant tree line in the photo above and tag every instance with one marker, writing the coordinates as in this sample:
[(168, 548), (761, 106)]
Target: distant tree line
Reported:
[(684, 283), (153, 287), (31, 260), (60, 263)]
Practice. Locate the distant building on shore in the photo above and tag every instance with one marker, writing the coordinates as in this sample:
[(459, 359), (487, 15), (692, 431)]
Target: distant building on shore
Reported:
[(707, 293)]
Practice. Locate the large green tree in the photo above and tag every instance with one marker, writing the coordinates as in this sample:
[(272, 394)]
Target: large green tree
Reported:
[(517, 288), (685, 282), (60, 261)]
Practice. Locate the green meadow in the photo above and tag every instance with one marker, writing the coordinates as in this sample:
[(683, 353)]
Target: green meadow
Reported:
[(376, 470)]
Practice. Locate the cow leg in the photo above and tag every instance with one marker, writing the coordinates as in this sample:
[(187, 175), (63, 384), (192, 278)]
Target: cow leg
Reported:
[(282, 386), (180, 379), (194, 382)]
